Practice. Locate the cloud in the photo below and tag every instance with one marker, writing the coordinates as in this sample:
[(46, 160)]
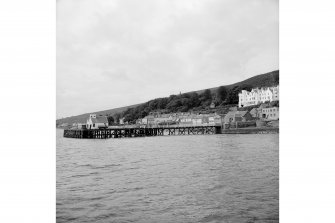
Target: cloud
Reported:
[(118, 52)]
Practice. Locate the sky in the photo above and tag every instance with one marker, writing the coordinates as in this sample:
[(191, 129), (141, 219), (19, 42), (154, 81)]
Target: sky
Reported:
[(114, 53)]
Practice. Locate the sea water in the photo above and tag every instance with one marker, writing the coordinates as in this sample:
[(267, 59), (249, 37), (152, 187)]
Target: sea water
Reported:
[(202, 178)]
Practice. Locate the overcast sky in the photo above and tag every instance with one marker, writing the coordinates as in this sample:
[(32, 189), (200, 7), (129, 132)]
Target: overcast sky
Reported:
[(113, 53)]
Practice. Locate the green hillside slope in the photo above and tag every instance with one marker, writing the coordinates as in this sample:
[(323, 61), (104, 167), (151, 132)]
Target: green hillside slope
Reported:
[(262, 80), (83, 117), (223, 96)]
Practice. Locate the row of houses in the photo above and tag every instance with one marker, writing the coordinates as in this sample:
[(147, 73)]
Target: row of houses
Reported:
[(264, 112), (257, 96), (181, 118)]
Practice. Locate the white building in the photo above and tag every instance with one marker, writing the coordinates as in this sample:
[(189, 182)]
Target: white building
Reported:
[(185, 120), (270, 113), (198, 119), (95, 122), (149, 119), (257, 96)]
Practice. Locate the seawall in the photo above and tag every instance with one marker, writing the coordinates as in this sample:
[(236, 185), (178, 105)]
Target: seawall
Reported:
[(264, 130)]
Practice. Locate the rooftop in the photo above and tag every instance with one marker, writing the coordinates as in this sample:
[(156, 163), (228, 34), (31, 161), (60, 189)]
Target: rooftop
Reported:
[(100, 119)]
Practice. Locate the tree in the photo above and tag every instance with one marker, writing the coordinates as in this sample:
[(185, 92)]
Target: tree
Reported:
[(221, 93), (194, 100), (174, 104), (162, 102), (186, 95), (232, 97), (153, 104), (117, 117), (207, 95), (128, 118), (143, 114), (172, 97), (247, 87), (110, 120)]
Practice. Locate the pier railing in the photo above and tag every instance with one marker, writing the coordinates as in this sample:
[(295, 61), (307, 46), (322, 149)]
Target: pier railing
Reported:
[(142, 131), (132, 131)]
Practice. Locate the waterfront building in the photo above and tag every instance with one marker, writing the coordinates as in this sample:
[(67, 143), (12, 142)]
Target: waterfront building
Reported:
[(181, 118), (218, 119), (185, 120), (163, 119), (237, 116), (198, 119), (145, 120), (121, 121), (257, 96), (96, 122), (211, 119), (151, 119), (148, 120), (270, 113)]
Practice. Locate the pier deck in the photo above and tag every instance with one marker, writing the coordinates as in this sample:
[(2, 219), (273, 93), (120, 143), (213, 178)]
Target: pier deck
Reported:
[(161, 131), (139, 132)]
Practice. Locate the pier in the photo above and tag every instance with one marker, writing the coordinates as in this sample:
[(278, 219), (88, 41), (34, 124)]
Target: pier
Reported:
[(140, 132), (126, 132)]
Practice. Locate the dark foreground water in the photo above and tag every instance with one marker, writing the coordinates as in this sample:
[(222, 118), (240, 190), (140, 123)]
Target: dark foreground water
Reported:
[(213, 178)]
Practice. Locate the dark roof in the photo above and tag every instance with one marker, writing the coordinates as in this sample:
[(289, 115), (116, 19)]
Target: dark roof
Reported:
[(271, 107), (263, 106), (100, 119)]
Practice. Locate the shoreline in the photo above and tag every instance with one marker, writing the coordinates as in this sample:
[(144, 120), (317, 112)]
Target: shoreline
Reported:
[(256, 130)]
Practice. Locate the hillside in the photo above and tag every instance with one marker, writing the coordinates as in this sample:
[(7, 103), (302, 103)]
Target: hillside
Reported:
[(223, 96), (83, 117), (261, 80)]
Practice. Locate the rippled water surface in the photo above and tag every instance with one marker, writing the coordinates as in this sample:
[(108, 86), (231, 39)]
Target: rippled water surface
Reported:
[(213, 178)]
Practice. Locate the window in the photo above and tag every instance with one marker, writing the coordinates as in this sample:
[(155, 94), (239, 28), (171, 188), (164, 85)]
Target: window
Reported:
[(93, 125)]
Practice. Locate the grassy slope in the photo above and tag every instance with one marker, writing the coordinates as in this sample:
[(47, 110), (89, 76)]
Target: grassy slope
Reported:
[(262, 80), (83, 117)]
